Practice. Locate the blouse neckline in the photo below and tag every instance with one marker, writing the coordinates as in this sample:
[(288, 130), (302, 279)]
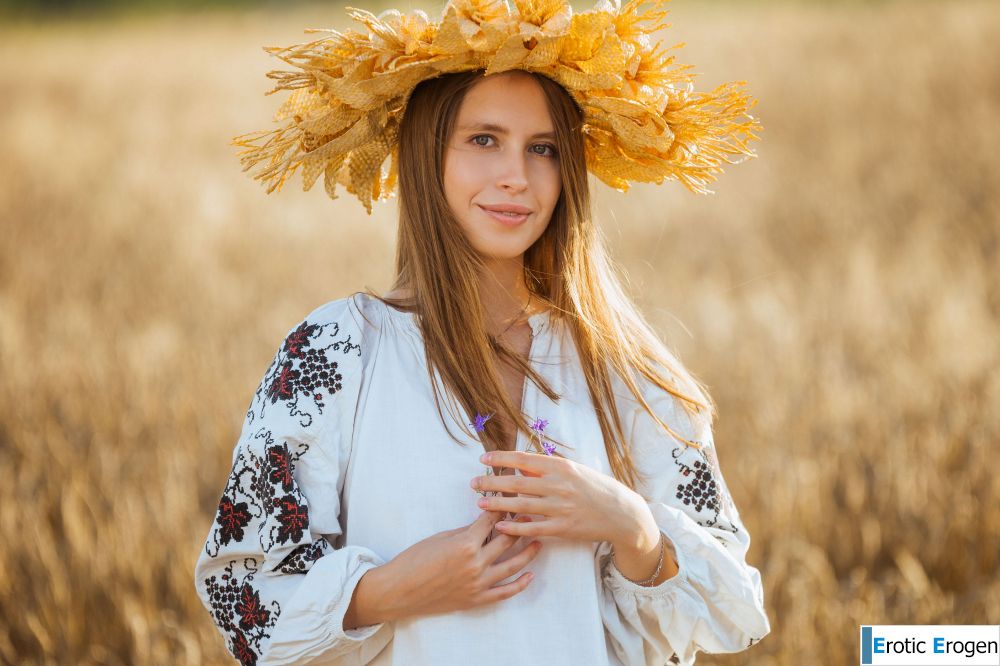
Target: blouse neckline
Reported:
[(538, 321)]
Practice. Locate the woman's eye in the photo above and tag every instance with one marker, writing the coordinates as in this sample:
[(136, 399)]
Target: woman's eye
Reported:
[(549, 146), (487, 137)]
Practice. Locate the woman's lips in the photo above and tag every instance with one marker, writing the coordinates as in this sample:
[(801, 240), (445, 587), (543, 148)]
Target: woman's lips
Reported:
[(504, 218)]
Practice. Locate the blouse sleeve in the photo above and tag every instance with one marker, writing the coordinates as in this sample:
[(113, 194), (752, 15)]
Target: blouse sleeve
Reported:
[(270, 574), (715, 602)]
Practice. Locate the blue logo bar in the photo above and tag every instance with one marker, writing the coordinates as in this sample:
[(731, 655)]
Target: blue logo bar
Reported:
[(930, 644)]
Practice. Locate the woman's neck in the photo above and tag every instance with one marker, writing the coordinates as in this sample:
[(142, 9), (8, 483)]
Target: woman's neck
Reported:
[(504, 295)]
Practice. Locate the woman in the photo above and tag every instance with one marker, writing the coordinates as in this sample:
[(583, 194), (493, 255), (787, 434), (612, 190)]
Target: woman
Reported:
[(356, 527)]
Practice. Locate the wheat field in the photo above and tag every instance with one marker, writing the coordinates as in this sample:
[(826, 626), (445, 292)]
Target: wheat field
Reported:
[(840, 295)]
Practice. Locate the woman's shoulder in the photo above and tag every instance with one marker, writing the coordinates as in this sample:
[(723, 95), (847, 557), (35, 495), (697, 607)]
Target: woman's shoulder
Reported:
[(674, 406), (322, 356), (350, 317), (339, 331)]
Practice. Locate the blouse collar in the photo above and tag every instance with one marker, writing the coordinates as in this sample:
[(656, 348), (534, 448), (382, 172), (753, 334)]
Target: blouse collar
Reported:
[(538, 321)]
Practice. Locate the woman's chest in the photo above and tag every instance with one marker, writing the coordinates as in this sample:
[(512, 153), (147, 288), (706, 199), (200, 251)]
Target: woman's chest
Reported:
[(408, 478)]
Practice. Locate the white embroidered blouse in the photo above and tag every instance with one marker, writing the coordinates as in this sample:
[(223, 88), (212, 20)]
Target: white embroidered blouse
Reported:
[(343, 463)]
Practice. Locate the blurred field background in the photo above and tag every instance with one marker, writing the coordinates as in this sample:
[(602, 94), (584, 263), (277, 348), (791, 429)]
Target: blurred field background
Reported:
[(840, 295)]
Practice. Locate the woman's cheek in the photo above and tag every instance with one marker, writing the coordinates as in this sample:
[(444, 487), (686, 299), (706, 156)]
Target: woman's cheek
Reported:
[(469, 170), (548, 173)]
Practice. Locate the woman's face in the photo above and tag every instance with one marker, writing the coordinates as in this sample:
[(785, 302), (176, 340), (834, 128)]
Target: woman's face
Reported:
[(502, 152)]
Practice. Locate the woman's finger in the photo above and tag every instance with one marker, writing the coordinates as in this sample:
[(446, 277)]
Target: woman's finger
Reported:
[(499, 545), (508, 568), (518, 528), (518, 504), (483, 525)]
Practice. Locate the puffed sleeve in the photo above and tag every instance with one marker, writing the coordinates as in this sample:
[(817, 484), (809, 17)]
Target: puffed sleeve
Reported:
[(715, 603), (269, 574)]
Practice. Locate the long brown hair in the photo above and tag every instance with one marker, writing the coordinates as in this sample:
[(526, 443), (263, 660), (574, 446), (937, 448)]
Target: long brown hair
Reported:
[(568, 268)]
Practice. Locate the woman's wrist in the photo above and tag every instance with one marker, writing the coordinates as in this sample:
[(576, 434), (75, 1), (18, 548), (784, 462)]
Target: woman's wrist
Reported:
[(370, 603), (647, 558)]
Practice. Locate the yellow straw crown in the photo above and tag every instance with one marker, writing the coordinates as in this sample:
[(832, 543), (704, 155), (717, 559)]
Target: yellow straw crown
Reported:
[(642, 119)]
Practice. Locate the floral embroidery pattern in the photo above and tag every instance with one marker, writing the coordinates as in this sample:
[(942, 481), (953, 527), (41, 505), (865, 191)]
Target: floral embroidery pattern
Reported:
[(261, 507), (261, 490), (302, 557), (238, 610), (232, 518), (252, 613), (700, 488), (293, 519), (280, 467), (302, 371)]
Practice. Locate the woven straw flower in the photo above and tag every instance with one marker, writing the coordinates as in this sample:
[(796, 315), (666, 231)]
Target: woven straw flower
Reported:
[(643, 121)]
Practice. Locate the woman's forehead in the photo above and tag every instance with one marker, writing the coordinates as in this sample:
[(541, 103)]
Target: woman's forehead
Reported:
[(513, 81), (487, 125), (504, 105)]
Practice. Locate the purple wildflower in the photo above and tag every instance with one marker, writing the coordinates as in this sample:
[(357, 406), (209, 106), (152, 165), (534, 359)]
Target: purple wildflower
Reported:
[(539, 425), (480, 423)]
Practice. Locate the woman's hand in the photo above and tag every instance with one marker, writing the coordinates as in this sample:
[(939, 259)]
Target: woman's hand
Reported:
[(453, 570), (577, 502)]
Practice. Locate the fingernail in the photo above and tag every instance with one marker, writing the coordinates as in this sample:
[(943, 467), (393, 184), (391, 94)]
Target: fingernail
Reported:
[(502, 524)]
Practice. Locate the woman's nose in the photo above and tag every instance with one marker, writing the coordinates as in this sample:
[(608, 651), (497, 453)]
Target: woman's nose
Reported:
[(513, 172)]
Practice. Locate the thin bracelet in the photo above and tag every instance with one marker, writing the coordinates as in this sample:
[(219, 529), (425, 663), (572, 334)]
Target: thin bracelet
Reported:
[(663, 548)]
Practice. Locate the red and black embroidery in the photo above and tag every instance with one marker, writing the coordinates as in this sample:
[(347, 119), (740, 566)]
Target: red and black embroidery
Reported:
[(302, 557), (279, 467), (298, 339), (701, 490), (293, 519), (260, 498), (239, 611), (242, 651), (262, 511), (232, 518), (304, 368), (252, 613), (262, 489)]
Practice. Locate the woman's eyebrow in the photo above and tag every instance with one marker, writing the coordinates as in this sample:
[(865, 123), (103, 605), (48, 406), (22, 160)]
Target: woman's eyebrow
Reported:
[(500, 129)]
